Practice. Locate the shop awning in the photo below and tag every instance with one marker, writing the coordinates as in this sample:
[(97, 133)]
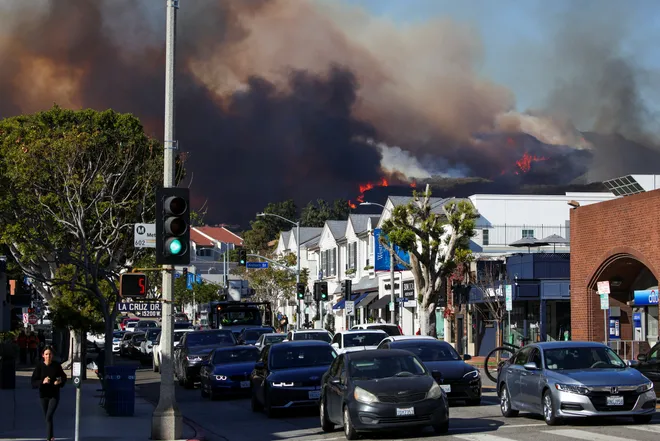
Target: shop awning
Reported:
[(342, 303), (380, 303), (339, 304), (367, 298), (366, 283)]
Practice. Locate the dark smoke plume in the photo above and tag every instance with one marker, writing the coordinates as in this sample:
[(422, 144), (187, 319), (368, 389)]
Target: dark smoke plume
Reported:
[(301, 99)]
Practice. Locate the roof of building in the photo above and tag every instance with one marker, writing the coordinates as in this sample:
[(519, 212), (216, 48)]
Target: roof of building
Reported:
[(200, 239), (218, 234), (337, 228), (437, 204), (360, 222)]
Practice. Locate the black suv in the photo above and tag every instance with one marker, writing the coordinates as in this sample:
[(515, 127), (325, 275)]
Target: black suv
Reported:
[(195, 347)]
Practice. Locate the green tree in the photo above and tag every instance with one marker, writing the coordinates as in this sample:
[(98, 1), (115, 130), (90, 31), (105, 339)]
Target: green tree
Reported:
[(256, 239), (204, 292), (314, 214), (436, 242), (73, 184)]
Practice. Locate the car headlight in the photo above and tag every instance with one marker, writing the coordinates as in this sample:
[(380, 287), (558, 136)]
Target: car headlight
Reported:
[(282, 384), (193, 358), (645, 387), (221, 377), (364, 396), (572, 388), (472, 375), (435, 392)]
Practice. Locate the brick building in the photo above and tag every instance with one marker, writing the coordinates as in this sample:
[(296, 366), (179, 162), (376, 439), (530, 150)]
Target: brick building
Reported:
[(616, 241)]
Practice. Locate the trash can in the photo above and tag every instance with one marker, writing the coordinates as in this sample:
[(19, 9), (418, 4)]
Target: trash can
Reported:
[(120, 390), (7, 372)]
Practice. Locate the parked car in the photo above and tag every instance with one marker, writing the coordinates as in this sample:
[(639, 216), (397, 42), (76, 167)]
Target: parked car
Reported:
[(155, 350), (146, 347), (459, 380), (134, 343), (573, 379), (269, 339), (143, 325), (390, 328), (123, 344), (249, 336), (381, 390), (649, 365), (288, 375), (116, 341), (309, 334), (125, 321), (194, 348), (357, 340), (228, 370)]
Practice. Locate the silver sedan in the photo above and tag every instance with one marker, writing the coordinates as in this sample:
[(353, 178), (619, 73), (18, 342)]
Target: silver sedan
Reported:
[(573, 379)]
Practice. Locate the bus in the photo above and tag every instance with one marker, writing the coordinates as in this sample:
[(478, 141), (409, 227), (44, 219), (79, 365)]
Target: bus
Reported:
[(237, 315)]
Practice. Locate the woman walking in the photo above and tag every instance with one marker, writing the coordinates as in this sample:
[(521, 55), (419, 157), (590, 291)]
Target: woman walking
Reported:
[(49, 377)]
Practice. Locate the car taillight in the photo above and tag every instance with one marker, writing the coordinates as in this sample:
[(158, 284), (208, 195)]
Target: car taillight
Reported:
[(400, 330)]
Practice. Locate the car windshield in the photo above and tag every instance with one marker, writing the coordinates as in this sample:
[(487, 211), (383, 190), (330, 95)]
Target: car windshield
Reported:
[(152, 334), (390, 330), (147, 325), (138, 338), (270, 339), (571, 358), (297, 357), (117, 334), (254, 334), (240, 317), (323, 336), (383, 366), (183, 325), (429, 351), (241, 355), (357, 338), (210, 338)]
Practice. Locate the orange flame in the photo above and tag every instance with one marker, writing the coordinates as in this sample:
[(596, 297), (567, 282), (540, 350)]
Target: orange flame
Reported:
[(366, 187), (525, 163), (413, 184), (351, 204)]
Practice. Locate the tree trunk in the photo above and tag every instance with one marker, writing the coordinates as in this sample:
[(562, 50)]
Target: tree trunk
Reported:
[(74, 348), (498, 340), (424, 318), (432, 330), (109, 329)]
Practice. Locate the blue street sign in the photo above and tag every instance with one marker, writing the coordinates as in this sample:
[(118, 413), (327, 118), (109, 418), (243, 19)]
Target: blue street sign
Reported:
[(189, 281), (261, 265), (402, 299), (198, 279)]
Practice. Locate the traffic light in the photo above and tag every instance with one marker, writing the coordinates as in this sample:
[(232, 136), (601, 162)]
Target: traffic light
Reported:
[(133, 285), (172, 226), (300, 291), (347, 289), (323, 287), (31, 310), (184, 273), (242, 257)]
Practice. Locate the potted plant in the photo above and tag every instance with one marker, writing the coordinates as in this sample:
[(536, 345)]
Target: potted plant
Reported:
[(8, 355), (368, 267), (350, 272)]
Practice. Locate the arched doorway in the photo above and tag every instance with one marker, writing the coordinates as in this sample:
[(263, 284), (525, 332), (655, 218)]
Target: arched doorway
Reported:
[(631, 322)]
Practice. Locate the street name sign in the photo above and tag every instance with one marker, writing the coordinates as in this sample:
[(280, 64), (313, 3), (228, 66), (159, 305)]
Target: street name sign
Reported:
[(141, 309), (256, 265), (144, 236)]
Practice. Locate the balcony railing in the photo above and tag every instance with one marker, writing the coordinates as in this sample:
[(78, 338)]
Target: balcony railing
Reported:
[(503, 235)]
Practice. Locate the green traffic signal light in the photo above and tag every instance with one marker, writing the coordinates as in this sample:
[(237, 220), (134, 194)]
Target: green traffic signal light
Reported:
[(174, 246)]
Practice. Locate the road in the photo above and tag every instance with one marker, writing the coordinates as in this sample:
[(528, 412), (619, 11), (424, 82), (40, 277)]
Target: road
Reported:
[(232, 420)]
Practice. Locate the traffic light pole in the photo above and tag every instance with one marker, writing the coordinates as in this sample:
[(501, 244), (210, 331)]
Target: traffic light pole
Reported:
[(167, 422), (300, 308)]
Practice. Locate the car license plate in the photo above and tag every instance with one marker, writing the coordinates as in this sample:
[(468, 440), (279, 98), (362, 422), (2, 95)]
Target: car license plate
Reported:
[(409, 411), (446, 387), (314, 394), (615, 401), (245, 384)]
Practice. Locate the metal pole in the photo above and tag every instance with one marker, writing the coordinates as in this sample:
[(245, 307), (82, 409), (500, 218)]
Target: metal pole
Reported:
[(76, 431), (605, 323), (392, 284), (300, 307), (510, 339), (167, 422)]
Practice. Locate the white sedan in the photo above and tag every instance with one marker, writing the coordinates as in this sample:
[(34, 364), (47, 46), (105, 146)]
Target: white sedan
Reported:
[(155, 350), (359, 340)]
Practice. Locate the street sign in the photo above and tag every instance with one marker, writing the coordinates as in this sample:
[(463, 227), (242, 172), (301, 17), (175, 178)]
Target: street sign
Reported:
[(144, 236), (509, 297), (33, 319), (391, 306), (604, 287), (604, 301), (402, 299), (141, 309), (350, 307), (260, 265)]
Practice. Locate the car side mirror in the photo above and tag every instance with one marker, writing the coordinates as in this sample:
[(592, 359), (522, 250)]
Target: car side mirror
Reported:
[(467, 357), (531, 366), (259, 365), (633, 363), (641, 357), (335, 345)]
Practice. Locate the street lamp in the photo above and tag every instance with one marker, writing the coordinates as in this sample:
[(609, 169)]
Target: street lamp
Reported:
[(391, 264), (297, 224)]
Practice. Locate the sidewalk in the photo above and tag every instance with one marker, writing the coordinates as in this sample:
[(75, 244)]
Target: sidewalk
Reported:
[(21, 417)]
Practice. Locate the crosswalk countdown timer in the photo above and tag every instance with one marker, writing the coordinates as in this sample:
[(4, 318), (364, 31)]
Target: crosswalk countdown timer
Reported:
[(173, 226)]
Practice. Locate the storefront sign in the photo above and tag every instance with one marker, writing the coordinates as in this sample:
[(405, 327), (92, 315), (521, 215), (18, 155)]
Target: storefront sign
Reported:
[(646, 297), (409, 289)]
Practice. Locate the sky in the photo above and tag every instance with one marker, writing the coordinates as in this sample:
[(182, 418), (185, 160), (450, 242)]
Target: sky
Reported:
[(510, 29)]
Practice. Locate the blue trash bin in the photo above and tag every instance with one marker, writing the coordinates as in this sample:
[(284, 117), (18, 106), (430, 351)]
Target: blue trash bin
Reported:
[(120, 390)]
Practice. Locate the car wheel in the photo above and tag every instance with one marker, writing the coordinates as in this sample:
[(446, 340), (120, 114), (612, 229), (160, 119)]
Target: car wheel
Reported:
[(255, 405), (349, 430), (505, 403), (326, 425), (270, 412), (549, 410), (474, 402), (642, 419), (440, 429)]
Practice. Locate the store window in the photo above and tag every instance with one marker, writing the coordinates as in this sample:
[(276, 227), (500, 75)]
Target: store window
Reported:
[(485, 240), (652, 324), (527, 233)]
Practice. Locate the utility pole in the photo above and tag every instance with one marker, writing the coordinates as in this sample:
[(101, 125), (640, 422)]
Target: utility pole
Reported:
[(392, 302), (167, 422)]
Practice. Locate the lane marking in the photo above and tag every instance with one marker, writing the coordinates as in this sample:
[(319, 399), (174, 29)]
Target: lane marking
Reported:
[(654, 429), (481, 437), (582, 434), (493, 427)]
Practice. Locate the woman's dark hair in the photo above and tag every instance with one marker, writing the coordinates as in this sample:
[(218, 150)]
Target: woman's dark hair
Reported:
[(48, 348)]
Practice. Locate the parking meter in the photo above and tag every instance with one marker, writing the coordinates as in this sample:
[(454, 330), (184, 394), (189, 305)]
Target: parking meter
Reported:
[(77, 374)]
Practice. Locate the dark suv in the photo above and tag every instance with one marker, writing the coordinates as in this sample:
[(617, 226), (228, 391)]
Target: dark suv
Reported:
[(195, 347)]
